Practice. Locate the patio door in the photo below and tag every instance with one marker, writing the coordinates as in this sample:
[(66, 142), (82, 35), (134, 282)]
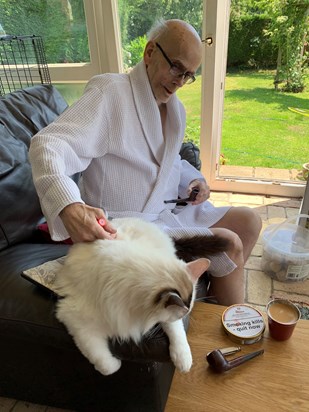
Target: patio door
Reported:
[(214, 114)]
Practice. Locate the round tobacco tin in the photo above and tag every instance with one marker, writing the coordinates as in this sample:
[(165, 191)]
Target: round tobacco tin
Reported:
[(243, 323)]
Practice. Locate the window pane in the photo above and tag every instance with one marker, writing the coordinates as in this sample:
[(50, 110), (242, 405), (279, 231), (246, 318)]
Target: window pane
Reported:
[(70, 92), (137, 17), (61, 24)]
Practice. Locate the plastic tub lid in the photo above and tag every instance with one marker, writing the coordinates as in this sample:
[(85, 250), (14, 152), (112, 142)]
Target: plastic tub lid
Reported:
[(288, 239)]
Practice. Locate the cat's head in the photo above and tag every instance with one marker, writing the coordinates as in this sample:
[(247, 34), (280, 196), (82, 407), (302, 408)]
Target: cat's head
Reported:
[(176, 300)]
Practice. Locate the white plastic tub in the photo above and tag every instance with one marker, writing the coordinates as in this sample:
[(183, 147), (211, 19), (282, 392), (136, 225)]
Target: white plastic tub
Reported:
[(286, 250)]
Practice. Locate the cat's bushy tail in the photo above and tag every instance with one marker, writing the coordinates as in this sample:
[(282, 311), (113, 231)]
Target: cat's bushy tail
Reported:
[(199, 246)]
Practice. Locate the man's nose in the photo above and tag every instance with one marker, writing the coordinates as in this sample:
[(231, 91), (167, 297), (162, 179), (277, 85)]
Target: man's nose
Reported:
[(180, 81)]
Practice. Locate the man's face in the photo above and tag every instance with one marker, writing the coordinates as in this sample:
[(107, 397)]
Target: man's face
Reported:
[(185, 57)]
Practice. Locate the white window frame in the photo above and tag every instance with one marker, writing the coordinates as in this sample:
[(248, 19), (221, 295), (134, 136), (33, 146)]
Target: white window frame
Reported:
[(104, 45), (215, 29)]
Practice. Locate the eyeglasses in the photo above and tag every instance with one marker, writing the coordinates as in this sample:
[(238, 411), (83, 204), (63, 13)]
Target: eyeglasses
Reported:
[(175, 70)]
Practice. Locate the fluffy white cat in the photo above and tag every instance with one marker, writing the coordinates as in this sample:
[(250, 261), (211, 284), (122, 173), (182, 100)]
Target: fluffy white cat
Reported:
[(122, 288)]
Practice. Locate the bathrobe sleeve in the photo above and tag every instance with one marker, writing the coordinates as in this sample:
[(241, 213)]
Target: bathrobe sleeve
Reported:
[(65, 147), (188, 173)]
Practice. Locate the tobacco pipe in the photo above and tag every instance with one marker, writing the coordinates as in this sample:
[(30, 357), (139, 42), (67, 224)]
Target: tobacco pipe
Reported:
[(219, 363), (191, 198)]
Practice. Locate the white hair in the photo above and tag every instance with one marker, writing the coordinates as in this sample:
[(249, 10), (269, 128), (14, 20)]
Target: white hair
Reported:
[(158, 28), (161, 26)]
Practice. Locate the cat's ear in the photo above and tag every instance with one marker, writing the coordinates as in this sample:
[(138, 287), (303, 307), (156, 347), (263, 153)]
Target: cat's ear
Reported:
[(198, 267)]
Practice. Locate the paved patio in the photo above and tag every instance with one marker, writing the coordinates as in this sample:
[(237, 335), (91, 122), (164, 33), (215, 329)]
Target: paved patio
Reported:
[(262, 173), (259, 286)]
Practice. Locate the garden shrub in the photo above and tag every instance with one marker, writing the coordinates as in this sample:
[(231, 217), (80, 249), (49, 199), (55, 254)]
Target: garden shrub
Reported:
[(248, 46)]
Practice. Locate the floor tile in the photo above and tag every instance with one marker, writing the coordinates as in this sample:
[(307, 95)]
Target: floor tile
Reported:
[(259, 288)]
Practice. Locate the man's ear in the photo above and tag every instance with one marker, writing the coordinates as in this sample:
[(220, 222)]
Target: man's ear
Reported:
[(198, 267), (149, 49)]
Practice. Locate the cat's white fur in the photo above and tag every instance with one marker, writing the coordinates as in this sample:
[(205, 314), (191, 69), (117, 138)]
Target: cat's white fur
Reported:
[(122, 288)]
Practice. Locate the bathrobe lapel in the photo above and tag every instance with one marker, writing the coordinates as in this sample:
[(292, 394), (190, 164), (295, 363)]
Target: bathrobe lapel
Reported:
[(164, 151), (147, 111)]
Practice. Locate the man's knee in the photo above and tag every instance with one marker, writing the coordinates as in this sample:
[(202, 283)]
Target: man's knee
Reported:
[(235, 245), (241, 219), (247, 220), (252, 220), (251, 214)]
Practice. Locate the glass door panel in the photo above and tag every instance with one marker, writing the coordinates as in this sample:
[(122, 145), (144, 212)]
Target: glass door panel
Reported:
[(261, 137), (254, 139)]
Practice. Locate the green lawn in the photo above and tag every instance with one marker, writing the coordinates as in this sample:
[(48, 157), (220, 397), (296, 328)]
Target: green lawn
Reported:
[(258, 128)]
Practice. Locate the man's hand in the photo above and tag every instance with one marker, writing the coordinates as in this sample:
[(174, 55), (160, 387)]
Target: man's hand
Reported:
[(203, 188), (81, 222)]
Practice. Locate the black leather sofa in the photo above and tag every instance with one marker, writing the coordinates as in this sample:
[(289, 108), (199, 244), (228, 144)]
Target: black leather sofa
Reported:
[(39, 361)]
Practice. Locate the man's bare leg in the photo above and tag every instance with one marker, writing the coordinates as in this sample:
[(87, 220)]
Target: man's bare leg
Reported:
[(230, 289), (246, 223), (242, 226)]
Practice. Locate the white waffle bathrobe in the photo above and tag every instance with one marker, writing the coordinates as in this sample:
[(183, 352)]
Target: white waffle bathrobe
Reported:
[(113, 134)]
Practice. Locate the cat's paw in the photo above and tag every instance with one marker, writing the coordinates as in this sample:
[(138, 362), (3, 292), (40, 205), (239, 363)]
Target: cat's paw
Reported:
[(181, 357), (109, 366)]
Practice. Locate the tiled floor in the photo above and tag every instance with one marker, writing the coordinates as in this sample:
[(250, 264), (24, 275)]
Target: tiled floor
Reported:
[(259, 286)]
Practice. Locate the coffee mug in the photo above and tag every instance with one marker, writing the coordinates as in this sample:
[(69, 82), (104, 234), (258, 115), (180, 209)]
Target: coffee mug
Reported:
[(282, 318)]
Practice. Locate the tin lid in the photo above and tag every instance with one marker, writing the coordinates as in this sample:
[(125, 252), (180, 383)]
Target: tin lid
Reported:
[(244, 323)]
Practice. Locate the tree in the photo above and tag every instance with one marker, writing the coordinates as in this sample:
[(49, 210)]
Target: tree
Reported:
[(288, 30)]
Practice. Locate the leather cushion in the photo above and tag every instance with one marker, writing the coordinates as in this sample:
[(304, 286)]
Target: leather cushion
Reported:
[(22, 114), (20, 210), (27, 111)]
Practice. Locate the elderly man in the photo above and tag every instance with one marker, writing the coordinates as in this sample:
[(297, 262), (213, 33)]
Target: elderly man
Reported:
[(124, 135)]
